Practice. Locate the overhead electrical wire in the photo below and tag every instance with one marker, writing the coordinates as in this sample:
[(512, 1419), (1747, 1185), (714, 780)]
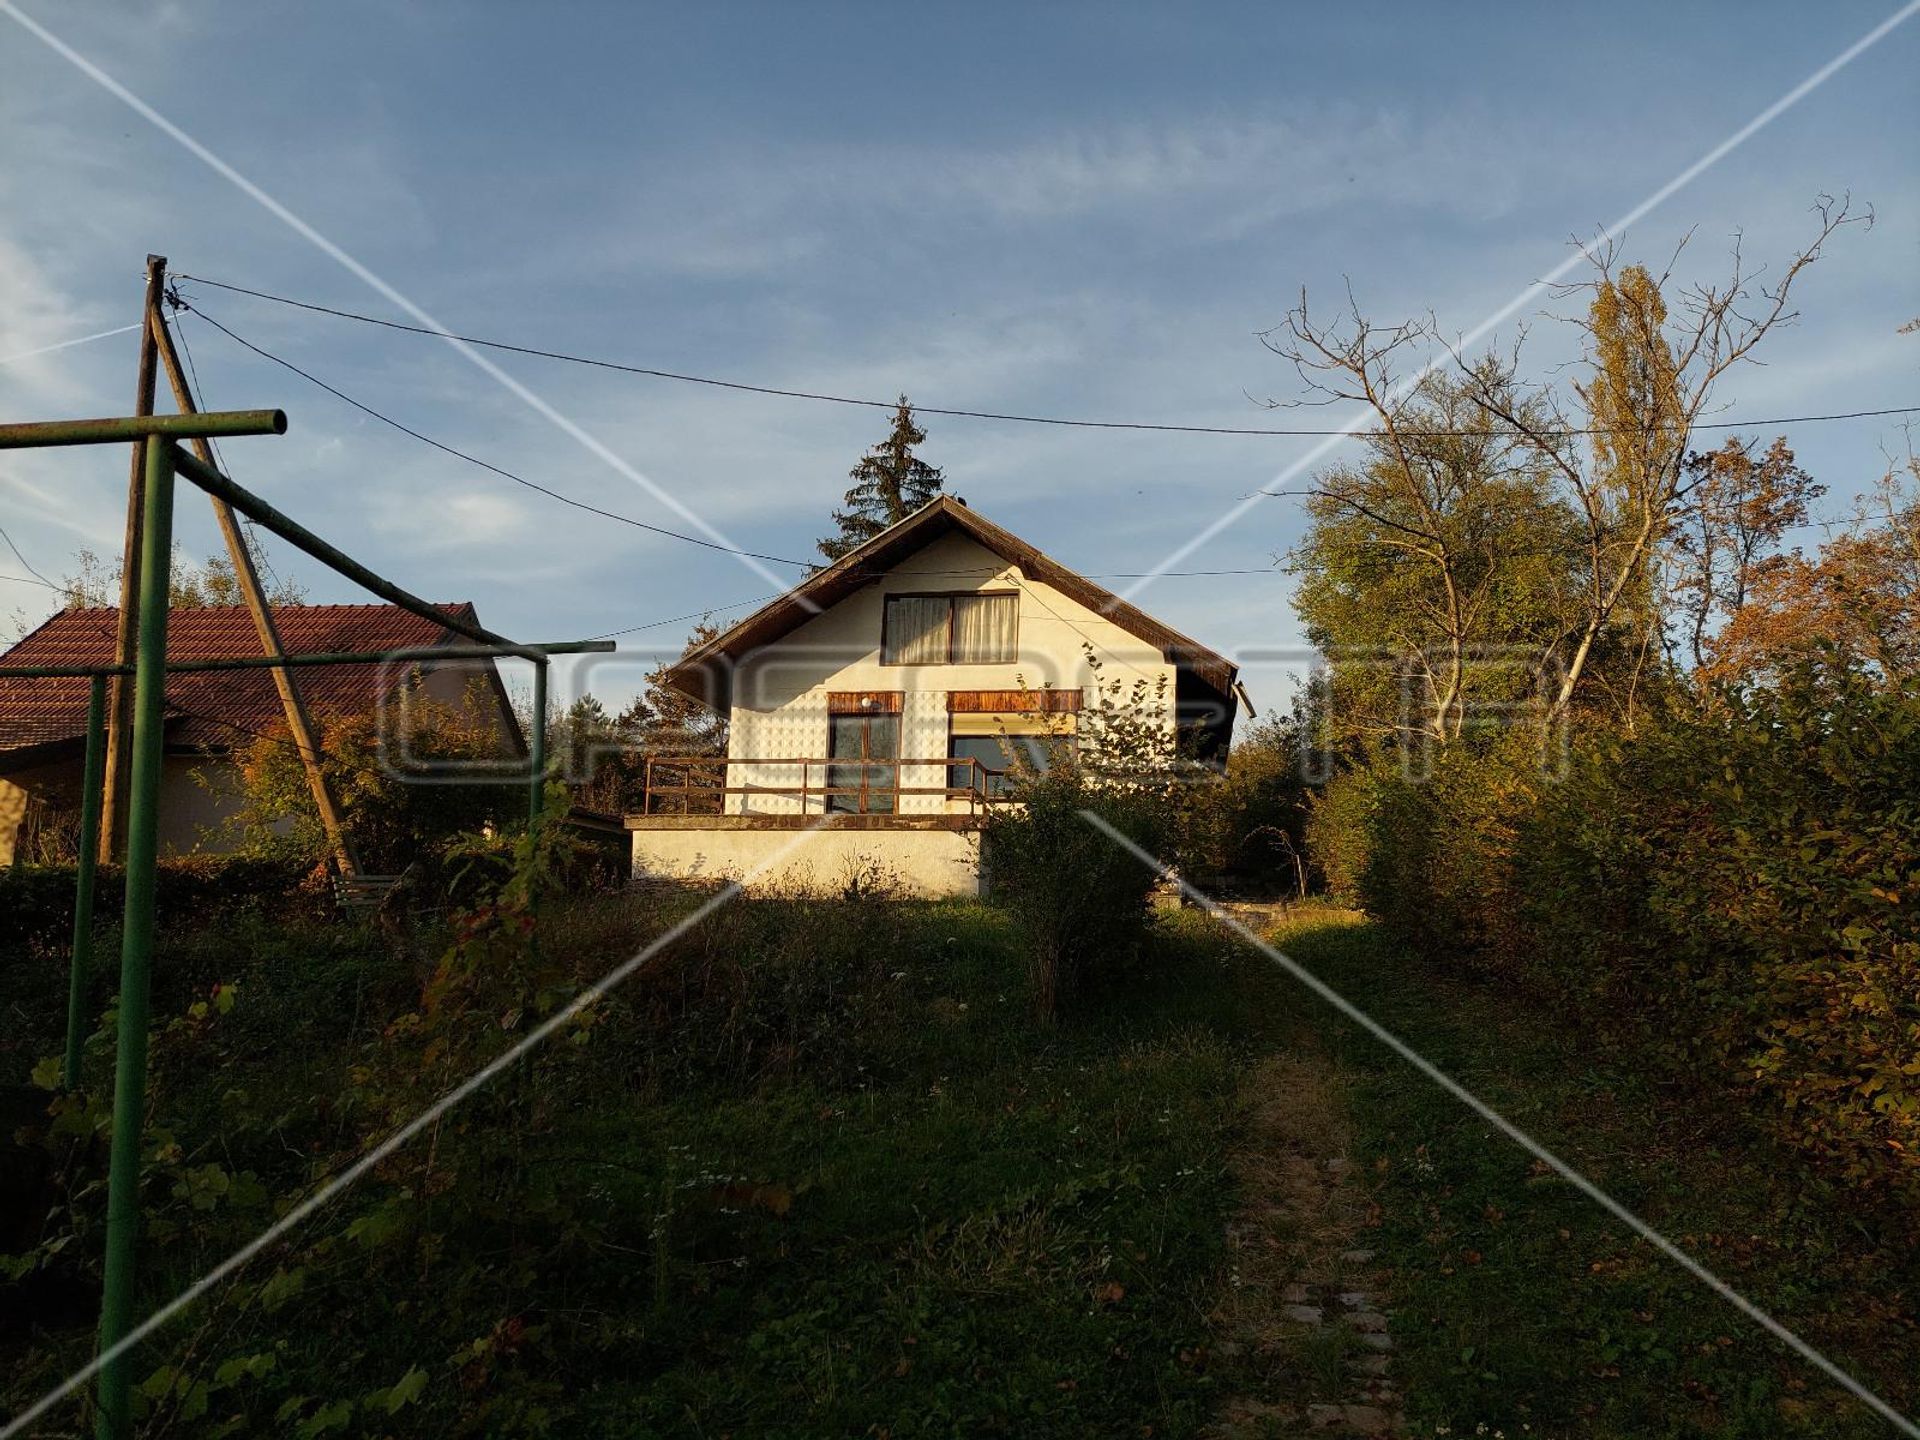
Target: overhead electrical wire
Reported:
[(23, 580), (459, 454), (1014, 418), (255, 544), (27, 565), (565, 499)]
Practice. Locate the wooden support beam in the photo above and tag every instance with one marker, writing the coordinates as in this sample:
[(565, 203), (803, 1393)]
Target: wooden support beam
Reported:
[(247, 575), (113, 798)]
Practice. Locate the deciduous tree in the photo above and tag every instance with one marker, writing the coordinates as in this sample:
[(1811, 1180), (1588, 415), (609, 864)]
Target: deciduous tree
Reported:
[(1860, 595), (1651, 372), (1433, 569), (96, 584), (1726, 540)]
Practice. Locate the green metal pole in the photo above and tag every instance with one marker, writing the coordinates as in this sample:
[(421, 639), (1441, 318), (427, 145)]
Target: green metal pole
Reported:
[(220, 424), (92, 775), (321, 657), (335, 559), (537, 747), (136, 953)]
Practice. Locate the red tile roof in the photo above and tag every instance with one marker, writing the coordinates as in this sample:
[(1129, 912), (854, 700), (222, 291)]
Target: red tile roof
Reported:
[(213, 708)]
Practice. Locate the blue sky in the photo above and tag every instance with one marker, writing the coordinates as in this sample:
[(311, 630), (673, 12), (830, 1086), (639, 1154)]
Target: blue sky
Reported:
[(1063, 209)]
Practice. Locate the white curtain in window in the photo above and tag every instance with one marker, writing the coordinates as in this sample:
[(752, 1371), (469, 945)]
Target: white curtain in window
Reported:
[(983, 629), (916, 630)]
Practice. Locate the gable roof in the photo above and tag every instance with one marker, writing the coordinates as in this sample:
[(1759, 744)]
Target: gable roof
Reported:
[(214, 708), (706, 674)]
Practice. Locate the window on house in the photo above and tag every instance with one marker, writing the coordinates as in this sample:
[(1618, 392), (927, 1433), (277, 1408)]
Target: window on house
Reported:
[(1001, 745), (979, 629)]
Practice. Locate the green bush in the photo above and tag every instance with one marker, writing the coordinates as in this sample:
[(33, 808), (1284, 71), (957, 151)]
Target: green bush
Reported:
[(406, 779), (1244, 831), (1728, 893), (1787, 889), (1082, 900), (1339, 832), (36, 901)]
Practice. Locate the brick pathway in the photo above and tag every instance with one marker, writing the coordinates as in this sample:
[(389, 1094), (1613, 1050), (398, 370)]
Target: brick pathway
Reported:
[(1305, 1320)]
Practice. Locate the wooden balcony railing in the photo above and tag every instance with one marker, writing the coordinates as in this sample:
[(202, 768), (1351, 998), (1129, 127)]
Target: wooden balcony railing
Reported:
[(700, 784)]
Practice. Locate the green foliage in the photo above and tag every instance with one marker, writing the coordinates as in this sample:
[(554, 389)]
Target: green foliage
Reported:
[(813, 1169), (604, 757), (192, 587), (406, 778), (889, 484), (36, 901), (1434, 573), (1082, 900), (1728, 894), (1522, 1307), (1340, 831), (1246, 830)]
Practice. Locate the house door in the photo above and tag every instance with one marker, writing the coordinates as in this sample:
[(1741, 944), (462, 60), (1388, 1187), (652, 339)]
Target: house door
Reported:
[(856, 782)]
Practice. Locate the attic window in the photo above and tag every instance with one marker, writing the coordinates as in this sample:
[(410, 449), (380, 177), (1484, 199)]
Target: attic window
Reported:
[(967, 629)]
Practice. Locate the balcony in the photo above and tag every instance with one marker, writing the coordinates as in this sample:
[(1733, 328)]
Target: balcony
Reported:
[(679, 791)]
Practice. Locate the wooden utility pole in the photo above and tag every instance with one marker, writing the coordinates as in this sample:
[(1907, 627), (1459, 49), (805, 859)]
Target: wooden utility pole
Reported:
[(247, 575), (113, 810)]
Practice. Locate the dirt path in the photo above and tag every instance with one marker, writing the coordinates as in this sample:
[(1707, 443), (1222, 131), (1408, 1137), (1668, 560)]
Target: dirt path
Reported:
[(1304, 1314)]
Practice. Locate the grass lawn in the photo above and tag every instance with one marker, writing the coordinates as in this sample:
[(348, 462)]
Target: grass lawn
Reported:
[(1519, 1304), (826, 1175), (1018, 1233)]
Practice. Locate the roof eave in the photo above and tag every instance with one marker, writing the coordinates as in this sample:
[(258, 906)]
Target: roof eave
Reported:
[(706, 676)]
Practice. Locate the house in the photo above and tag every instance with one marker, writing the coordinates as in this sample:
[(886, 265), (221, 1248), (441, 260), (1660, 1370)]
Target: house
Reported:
[(210, 714), (875, 703)]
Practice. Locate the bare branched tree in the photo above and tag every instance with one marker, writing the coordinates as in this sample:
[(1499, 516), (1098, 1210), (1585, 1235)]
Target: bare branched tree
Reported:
[(1651, 377), (1426, 521)]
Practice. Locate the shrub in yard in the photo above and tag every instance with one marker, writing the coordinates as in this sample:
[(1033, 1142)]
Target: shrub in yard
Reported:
[(36, 901), (1792, 911), (384, 768), (1244, 831), (1428, 853), (1339, 831), (1081, 901), (1727, 893), (1080, 898)]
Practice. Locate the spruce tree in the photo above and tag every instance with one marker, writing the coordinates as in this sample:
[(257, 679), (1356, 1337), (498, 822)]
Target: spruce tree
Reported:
[(889, 484)]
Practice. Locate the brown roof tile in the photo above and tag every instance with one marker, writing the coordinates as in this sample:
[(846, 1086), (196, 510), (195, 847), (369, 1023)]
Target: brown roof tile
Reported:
[(212, 708)]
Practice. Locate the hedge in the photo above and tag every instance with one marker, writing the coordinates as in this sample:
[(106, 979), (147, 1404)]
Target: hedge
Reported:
[(36, 901), (1731, 895)]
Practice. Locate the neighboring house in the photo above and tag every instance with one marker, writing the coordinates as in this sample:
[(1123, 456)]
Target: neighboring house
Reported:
[(211, 714), (876, 704)]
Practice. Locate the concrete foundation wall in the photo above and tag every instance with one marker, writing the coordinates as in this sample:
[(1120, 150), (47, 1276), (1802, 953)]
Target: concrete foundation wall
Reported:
[(926, 862)]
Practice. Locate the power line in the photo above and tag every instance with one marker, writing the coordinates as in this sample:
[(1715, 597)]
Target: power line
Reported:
[(458, 454), (254, 542), (27, 564), (690, 615), (23, 580), (1014, 418), (546, 490)]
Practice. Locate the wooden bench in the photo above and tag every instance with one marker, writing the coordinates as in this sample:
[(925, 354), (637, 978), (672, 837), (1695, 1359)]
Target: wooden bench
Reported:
[(364, 892)]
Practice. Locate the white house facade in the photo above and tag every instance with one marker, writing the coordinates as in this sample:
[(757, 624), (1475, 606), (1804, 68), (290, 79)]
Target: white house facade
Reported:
[(873, 709)]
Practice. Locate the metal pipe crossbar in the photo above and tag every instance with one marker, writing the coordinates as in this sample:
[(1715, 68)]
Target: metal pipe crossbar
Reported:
[(217, 424), (335, 559), (322, 657)]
